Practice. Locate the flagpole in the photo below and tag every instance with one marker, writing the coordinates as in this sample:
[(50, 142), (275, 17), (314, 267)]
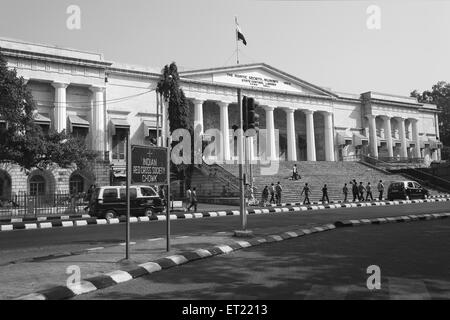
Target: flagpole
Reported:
[(237, 41)]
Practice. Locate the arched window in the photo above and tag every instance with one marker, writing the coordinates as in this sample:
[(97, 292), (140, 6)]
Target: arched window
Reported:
[(37, 185), (76, 184)]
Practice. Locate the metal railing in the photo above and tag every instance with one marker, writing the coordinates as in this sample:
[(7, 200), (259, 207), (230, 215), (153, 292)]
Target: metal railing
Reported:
[(427, 178), (220, 173), (26, 205)]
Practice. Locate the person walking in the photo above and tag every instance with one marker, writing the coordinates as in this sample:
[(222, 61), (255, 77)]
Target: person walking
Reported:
[(345, 192), (295, 172), (369, 192), (278, 190), (162, 195), (194, 200), (355, 191), (380, 190), (325, 194), (361, 190), (265, 196), (272, 193), (188, 199), (306, 190)]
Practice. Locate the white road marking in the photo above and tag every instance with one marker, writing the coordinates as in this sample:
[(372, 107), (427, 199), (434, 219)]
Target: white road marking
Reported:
[(95, 249), (155, 239)]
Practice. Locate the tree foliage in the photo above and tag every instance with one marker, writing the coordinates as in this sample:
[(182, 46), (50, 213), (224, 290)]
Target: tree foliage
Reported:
[(179, 112), (439, 95), (22, 140), (169, 87)]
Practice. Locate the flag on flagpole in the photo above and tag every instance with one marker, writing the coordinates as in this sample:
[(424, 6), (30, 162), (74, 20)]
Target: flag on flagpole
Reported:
[(240, 35)]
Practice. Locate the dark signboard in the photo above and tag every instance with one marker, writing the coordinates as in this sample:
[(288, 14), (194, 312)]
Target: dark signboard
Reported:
[(148, 165)]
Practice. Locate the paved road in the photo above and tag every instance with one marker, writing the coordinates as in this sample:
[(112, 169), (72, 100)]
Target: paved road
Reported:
[(413, 258), (34, 243)]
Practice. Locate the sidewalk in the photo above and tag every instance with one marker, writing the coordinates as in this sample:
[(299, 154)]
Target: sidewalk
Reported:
[(27, 277)]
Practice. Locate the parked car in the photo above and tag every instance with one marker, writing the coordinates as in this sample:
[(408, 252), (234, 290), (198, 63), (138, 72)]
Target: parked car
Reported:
[(406, 190), (111, 201)]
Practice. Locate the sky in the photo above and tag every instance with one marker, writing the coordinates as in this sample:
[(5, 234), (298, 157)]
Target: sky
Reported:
[(326, 43)]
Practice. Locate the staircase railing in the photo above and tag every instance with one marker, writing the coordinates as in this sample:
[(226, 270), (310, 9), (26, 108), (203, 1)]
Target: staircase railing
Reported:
[(432, 180), (216, 171)]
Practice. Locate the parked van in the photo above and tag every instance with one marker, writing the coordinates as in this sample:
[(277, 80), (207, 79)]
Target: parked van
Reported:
[(406, 190), (111, 202)]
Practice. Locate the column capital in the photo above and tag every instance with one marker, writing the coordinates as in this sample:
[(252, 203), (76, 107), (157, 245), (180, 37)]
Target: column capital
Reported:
[(288, 110), (222, 104), (96, 89), (268, 108), (307, 111), (60, 85), (371, 116), (197, 101), (399, 118), (384, 117)]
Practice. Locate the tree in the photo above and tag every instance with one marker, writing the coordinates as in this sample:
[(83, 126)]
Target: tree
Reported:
[(169, 87), (22, 140), (179, 112), (439, 95)]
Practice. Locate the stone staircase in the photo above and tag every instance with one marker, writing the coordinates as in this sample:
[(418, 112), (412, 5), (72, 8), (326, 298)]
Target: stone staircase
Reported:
[(215, 185), (334, 174)]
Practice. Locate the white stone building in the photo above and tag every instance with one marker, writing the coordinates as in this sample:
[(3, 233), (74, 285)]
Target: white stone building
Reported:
[(85, 94)]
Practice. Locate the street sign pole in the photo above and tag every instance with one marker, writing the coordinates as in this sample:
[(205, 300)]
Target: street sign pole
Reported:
[(168, 198), (168, 179), (241, 158), (128, 169)]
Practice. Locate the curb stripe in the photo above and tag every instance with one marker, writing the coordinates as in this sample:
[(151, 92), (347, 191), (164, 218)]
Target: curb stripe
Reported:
[(82, 287), (119, 276)]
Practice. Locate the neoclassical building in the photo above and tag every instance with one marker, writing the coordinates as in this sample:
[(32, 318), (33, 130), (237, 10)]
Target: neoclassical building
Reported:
[(88, 96)]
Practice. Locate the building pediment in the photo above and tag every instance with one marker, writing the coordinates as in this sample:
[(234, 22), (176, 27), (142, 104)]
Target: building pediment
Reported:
[(257, 76)]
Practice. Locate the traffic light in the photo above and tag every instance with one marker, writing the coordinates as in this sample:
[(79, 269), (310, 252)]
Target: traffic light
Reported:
[(252, 116), (244, 112)]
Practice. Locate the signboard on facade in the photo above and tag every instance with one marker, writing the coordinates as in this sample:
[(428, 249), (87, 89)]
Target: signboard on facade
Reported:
[(256, 79), (148, 165)]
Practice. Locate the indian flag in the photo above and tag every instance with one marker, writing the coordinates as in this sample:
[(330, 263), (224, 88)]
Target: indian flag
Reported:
[(240, 35)]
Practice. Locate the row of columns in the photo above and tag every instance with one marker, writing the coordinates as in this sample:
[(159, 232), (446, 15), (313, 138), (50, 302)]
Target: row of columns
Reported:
[(388, 136), (270, 128), (98, 114)]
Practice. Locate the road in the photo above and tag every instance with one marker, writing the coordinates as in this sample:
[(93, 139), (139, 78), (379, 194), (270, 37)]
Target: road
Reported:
[(413, 259), (34, 243)]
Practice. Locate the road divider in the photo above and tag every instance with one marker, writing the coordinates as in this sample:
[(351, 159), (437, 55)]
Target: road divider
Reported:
[(284, 208)]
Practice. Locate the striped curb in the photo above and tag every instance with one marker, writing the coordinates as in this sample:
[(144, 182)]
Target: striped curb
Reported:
[(43, 219), (272, 209), (408, 218), (120, 276)]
